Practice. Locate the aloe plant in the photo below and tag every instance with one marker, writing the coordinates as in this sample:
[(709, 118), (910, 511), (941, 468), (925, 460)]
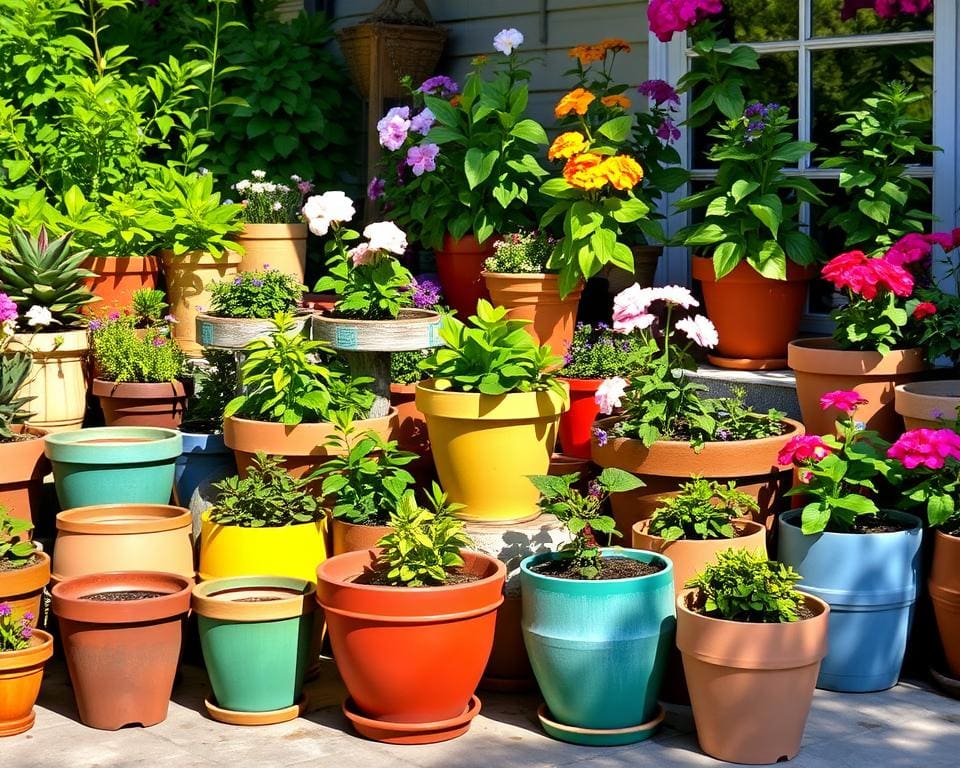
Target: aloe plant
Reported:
[(14, 369)]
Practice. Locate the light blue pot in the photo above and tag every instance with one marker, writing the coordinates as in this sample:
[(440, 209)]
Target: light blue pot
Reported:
[(871, 583), (599, 648), (203, 456)]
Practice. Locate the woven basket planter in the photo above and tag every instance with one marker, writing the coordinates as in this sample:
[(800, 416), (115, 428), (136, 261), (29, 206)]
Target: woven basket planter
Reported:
[(236, 332)]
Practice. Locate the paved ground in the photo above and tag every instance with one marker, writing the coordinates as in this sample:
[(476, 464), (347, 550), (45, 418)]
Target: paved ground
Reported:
[(910, 726)]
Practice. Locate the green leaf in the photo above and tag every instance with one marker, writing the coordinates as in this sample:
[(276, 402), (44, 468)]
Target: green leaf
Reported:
[(617, 129), (741, 188), (617, 480), (875, 209), (530, 130), (477, 165)]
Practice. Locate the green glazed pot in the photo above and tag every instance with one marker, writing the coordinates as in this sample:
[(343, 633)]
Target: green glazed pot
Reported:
[(114, 465), (255, 633)]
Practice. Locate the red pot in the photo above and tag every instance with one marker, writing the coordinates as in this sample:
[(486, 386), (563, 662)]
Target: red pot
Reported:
[(129, 404), (23, 466), (118, 278), (577, 423), (459, 264)]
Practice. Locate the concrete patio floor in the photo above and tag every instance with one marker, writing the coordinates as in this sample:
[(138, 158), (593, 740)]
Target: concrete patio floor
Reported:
[(910, 726)]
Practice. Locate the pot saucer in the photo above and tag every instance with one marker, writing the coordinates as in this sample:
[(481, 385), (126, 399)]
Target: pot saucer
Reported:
[(256, 718), (748, 363), (20, 725), (411, 733), (948, 685), (594, 737)]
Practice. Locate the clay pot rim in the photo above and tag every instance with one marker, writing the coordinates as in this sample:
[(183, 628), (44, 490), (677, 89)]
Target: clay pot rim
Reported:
[(297, 311), (210, 599), (29, 578), (229, 257), (134, 390), (581, 385), (130, 519), (283, 432), (605, 551), (797, 428), (67, 597), (145, 262), (404, 389), (808, 356), (262, 231), (340, 521), (746, 525), (35, 654), (811, 600), (205, 518), (910, 401), (475, 406), (702, 269), (74, 446), (26, 429), (791, 518), (407, 315)]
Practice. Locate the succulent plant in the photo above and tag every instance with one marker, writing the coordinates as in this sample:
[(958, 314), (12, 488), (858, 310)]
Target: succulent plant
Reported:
[(14, 370)]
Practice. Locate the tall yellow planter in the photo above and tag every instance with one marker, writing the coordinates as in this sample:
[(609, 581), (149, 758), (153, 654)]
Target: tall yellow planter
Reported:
[(485, 446), (58, 378), (233, 550), (274, 246)]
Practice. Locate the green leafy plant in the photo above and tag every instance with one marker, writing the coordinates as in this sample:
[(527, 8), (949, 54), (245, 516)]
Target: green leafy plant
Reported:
[(268, 497), (14, 551), (583, 515), (521, 253), (149, 307), (124, 354), (703, 509), (214, 385), (405, 366), (269, 202), (598, 352), (258, 294), (746, 586), (118, 224), (15, 368)]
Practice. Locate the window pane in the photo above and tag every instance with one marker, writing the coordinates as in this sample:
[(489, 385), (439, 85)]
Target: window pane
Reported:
[(756, 21), (827, 21)]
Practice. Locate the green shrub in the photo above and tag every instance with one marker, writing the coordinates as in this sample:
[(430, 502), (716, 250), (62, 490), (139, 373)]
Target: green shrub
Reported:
[(268, 497), (704, 509), (261, 294), (124, 355)]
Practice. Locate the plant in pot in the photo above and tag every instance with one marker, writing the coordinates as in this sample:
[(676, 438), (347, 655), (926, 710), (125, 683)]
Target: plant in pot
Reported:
[(755, 261), (750, 641), (421, 599), (862, 560), (24, 568), (668, 431), (625, 646), (23, 652), (492, 407)]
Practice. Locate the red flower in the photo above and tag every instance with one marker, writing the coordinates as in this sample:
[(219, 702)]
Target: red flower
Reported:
[(845, 400), (803, 448), (865, 276), (924, 309)]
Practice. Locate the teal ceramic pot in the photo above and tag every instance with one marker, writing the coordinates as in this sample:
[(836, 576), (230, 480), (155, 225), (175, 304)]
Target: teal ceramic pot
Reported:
[(599, 648), (255, 634), (871, 583), (203, 456), (113, 465)]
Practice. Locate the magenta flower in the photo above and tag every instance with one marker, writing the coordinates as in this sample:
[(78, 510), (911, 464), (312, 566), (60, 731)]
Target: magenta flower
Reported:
[(669, 16), (5, 609), (114, 315), (375, 188), (422, 122), (305, 187), (802, 448), (422, 159), (928, 447), (659, 92), (845, 400), (668, 131), (8, 309), (158, 341)]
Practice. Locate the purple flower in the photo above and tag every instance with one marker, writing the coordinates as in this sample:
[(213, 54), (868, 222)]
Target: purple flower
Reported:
[(158, 341), (96, 325), (170, 318), (567, 359), (426, 293), (668, 131), (375, 188), (659, 91), (114, 315), (238, 280), (5, 609), (422, 159), (28, 616), (440, 85), (305, 187), (754, 129), (594, 489), (422, 122), (257, 282), (601, 436), (26, 631), (393, 128), (724, 434)]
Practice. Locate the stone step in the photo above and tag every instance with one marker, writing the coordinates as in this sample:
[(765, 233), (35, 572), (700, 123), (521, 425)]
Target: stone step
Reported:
[(765, 389)]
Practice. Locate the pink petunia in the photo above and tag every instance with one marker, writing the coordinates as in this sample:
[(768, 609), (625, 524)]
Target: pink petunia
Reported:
[(801, 448), (630, 309), (609, 393), (928, 447), (699, 330), (422, 159), (845, 400), (865, 276)]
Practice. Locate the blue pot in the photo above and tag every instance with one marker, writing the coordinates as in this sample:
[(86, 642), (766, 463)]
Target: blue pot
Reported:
[(599, 649), (202, 457), (870, 582)]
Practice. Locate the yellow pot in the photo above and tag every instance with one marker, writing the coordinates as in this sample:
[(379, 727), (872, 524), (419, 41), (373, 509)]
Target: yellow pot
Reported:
[(233, 550), (57, 380), (281, 246), (485, 446)]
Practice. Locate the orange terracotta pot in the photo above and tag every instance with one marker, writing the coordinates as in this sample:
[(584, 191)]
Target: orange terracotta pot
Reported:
[(131, 404), (508, 669), (459, 264), (274, 246), (350, 537), (118, 278), (22, 588), (410, 432), (756, 317), (944, 587), (821, 367), (536, 298), (23, 466), (927, 404), (21, 673), (751, 685)]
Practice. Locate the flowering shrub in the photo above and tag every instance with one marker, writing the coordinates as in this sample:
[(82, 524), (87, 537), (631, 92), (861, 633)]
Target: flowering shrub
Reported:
[(598, 352), (15, 632), (928, 464), (15, 368), (260, 294), (521, 253), (668, 16), (124, 354), (703, 509), (269, 202)]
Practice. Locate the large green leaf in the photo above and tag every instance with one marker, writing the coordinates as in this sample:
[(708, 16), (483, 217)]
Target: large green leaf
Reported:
[(477, 165)]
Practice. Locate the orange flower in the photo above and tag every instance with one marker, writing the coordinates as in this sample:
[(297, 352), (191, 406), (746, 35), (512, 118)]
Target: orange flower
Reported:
[(585, 171), (615, 44), (616, 100), (587, 54), (621, 171), (576, 101), (455, 101), (567, 145)]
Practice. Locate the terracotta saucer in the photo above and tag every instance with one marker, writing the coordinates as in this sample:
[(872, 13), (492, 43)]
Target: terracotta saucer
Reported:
[(13, 727), (748, 363), (411, 733), (949, 685), (593, 737), (256, 718)]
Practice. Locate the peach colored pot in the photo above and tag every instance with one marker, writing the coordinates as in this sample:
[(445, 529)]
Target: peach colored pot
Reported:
[(21, 673), (751, 685), (134, 404), (927, 404), (274, 246), (944, 587), (821, 367), (349, 537), (118, 278), (23, 466), (22, 588)]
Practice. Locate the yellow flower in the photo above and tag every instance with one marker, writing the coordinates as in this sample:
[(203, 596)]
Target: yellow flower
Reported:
[(615, 44), (585, 171), (567, 145), (587, 54), (616, 100), (576, 101), (622, 172)]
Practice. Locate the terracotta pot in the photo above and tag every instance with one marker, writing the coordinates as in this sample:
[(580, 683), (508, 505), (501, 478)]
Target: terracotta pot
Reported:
[(274, 246), (410, 432), (821, 367), (350, 537), (21, 673), (118, 278), (459, 264), (22, 588), (23, 466), (927, 404), (576, 424), (536, 298), (944, 588), (645, 261), (123, 537), (410, 657), (235, 333), (130, 404), (122, 656), (766, 670), (57, 379), (667, 464), (188, 277)]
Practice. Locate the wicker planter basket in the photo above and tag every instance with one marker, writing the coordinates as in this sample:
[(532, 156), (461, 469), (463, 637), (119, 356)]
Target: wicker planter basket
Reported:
[(236, 332)]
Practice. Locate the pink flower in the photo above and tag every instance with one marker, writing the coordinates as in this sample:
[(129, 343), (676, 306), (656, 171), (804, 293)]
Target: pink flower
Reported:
[(393, 128), (909, 249), (699, 330), (630, 309), (802, 448), (805, 476), (865, 276), (609, 393), (361, 254), (305, 187), (375, 188), (845, 400), (422, 159), (676, 295), (929, 447), (924, 309), (669, 16), (422, 122), (668, 131), (8, 309)]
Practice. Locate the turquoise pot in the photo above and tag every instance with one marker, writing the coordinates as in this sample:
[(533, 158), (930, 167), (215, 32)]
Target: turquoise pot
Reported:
[(203, 456), (113, 465), (871, 583), (255, 634), (599, 649)]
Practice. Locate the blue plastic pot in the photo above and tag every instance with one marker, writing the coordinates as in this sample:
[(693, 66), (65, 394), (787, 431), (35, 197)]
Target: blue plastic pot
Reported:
[(870, 582), (203, 456), (599, 649)]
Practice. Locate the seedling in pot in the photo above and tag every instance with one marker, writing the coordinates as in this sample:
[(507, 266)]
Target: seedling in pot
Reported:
[(704, 509), (14, 553)]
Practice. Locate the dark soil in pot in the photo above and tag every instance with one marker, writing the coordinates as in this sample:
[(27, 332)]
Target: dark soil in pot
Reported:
[(378, 578), (610, 568), (122, 596)]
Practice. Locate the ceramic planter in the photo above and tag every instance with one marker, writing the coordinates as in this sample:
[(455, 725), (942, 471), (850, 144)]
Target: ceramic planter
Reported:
[(645, 261), (485, 446), (410, 432), (751, 685), (23, 466), (255, 633), (459, 264), (576, 424), (122, 656), (350, 537), (926, 404), (22, 588), (274, 246), (123, 537), (21, 673), (236, 332), (944, 585), (118, 278), (625, 645), (57, 381), (536, 298), (293, 551), (410, 658), (821, 367), (871, 582), (130, 404), (756, 317), (113, 465), (203, 457)]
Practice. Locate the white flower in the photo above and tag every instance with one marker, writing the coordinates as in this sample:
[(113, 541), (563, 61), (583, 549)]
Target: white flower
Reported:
[(319, 227), (609, 393), (242, 185), (39, 316), (508, 39), (331, 207), (9, 328), (295, 178), (258, 174), (277, 205), (386, 236), (269, 186), (283, 187), (257, 188), (203, 171), (700, 330)]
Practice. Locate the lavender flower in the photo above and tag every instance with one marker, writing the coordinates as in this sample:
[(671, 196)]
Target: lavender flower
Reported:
[(375, 188), (96, 325), (426, 293), (5, 609), (668, 131), (257, 283), (26, 631), (158, 341), (440, 85), (601, 436), (238, 280)]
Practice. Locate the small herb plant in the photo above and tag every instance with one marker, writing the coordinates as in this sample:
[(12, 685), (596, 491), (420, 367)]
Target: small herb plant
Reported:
[(270, 202), (424, 547), (149, 307), (746, 586), (15, 632), (125, 355), (521, 253), (583, 515), (703, 509), (15, 553), (599, 352), (405, 366), (268, 497), (215, 385), (926, 462), (259, 294)]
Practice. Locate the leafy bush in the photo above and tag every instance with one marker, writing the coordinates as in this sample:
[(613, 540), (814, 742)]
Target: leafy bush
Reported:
[(521, 253), (405, 366), (15, 368), (704, 509), (268, 497), (598, 352), (149, 306), (261, 294), (214, 386), (15, 553), (123, 354)]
